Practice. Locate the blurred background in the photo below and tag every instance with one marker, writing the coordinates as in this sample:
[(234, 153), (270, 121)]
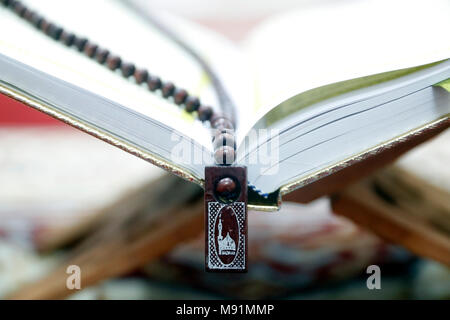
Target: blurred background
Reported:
[(68, 199)]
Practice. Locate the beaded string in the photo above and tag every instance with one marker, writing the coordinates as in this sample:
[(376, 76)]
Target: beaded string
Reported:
[(225, 102), (223, 133)]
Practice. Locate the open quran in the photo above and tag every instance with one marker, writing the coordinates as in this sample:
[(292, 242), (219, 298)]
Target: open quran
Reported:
[(312, 101)]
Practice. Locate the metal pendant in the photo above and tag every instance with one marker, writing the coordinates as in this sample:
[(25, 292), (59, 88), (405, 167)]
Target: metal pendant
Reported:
[(226, 219)]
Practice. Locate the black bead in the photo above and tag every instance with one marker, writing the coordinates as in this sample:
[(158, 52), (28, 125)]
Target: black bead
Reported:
[(6, 2), (224, 155), (80, 43), (225, 186), (48, 27), (127, 69), (36, 20), (101, 55), (45, 25), (68, 38), (180, 96), (54, 31), (220, 121), (141, 75), (28, 14), (168, 89), (19, 8), (113, 62), (154, 83), (205, 113), (192, 104), (218, 132), (224, 139), (90, 49)]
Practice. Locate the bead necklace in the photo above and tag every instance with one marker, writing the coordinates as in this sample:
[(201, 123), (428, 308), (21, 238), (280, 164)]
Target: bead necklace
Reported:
[(223, 133), (225, 186)]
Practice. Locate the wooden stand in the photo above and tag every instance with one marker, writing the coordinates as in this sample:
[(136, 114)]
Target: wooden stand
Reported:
[(135, 231), (145, 226), (401, 209)]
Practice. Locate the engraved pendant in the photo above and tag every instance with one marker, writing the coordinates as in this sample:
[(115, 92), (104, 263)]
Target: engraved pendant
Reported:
[(226, 219)]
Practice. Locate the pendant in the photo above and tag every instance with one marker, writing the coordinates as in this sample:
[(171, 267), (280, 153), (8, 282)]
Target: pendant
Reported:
[(226, 219)]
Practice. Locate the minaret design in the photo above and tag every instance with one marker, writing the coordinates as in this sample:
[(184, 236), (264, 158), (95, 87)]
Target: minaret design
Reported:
[(227, 246), (219, 237)]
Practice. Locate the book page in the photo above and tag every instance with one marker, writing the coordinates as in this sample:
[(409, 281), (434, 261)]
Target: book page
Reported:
[(112, 25), (324, 42)]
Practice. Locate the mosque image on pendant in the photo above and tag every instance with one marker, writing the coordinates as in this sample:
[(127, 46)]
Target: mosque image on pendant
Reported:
[(226, 238)]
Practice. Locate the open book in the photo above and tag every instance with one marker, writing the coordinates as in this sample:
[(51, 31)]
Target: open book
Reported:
[(315, 89)]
